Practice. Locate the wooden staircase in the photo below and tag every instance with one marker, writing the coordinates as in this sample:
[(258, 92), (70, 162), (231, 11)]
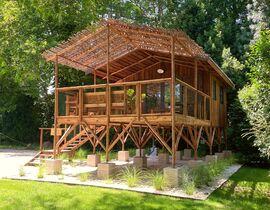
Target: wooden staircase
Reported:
[(68, 147)]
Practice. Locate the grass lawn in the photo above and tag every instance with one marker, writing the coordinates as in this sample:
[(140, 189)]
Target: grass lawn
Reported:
[(248, 189)]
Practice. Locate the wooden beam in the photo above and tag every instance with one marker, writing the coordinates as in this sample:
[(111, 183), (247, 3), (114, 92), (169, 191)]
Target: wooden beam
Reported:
[(138, 72), (159, 138), (127, 67), (55, 137)]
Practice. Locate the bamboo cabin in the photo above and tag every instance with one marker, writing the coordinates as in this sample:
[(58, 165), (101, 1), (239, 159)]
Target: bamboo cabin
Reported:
[(157, 84)]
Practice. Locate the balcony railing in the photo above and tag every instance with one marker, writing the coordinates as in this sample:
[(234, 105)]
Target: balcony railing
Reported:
[(149, 97)]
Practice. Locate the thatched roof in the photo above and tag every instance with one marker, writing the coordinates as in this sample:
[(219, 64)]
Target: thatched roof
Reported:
[(87, 50)]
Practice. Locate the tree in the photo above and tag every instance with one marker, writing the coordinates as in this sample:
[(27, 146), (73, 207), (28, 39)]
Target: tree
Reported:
[(255, 96)]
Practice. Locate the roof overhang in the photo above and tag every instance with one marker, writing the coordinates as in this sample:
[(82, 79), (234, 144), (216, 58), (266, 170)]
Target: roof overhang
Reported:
[(87, 50)]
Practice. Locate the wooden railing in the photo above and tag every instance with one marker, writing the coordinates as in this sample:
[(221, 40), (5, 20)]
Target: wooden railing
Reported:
[(140, 98), (192, 102)]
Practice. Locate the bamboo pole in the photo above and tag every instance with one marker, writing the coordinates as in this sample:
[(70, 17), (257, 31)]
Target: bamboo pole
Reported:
[(173, 101), (55, 138)]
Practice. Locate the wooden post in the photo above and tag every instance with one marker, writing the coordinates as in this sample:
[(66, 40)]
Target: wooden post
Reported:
[(138, 101), (196, 87), (41, 140), (108, 95), (80, 104), (173, 101), (95, 80), (55, 137)]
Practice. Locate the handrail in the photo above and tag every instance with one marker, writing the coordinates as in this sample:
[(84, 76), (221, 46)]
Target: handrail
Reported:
[(191, 87)]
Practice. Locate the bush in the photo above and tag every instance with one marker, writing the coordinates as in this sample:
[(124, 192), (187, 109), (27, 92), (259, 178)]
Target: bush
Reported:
[(21, 171), (81, 154), (157, 180), (131, 175), (41, 171), (84, 177), (201, 175), (187, 183), (189, 187), (64, 156)]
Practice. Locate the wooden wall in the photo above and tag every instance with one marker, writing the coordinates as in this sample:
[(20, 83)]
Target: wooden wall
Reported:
[(218, 109)]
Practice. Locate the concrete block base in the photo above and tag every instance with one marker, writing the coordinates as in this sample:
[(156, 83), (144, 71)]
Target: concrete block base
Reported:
[(227, 153), (187, 154), (171, 176), (123, 156), (195, 163), (53, 167), (178, 155), (163, 158), (220, 155), (211, 158), (105, 170), (140, 162), (138, 152), (93, 160)]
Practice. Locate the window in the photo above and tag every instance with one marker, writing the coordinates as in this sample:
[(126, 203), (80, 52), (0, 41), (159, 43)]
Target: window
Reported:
[(221, 95), (214, 90)]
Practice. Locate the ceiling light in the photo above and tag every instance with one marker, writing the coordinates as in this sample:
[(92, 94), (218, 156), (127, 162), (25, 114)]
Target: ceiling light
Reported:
[(160, 71)]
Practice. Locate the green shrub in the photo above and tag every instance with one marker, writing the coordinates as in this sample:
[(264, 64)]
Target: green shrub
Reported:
[(186, 182), (21, 171), (189, 187), (201, 175), (81, 154), (157, 180), (41, 171), (131, 175), (84, 177), (64, 156)]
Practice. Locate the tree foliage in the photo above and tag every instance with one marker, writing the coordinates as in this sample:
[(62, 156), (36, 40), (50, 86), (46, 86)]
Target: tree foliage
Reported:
[(255, 96)]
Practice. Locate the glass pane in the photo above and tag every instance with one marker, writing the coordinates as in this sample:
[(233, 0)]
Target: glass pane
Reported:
[(155, 98), (190, 102), (94, 101), (179, 98), (118, 100), (130, 99), (200, 107)]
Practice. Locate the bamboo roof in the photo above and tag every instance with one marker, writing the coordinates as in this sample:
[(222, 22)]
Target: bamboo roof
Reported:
[(129, 44)]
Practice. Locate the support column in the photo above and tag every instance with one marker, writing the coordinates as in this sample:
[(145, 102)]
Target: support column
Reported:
[(108, 95), (173, 101), (55, 137)]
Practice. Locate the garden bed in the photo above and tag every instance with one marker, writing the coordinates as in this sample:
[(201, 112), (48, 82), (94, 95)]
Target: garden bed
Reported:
[(80, 174)]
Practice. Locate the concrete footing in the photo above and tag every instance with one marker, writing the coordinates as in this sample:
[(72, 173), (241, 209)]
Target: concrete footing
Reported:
[(163, 158), (211, 158), (93, 160), (105, 170), (53, 167), (123, 156), (227, 153), (140, 162), (187, 154), (171, 176), (195, 163), (220, 155), (178, 155), (138, 152)]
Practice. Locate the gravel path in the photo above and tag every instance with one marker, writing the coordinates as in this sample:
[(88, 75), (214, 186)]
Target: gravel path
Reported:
[(11, 160)]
